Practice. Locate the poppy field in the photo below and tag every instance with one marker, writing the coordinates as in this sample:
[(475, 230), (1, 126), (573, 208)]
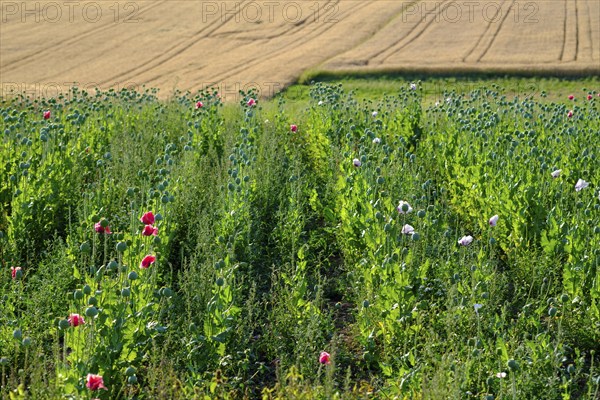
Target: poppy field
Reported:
[(345, 249)]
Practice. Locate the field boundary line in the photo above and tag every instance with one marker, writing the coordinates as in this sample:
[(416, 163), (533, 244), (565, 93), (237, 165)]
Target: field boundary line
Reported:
[(546, 70)]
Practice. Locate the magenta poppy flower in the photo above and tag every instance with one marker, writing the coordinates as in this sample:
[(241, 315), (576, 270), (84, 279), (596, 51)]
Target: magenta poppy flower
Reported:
[(150, 230), (251, 102), (101, 229), (589, 97), (16, 272), (199, 105), (147, 261), (570, 114), (47, 114), (95, 382), (147, 218), (324, 358), (76, 320), (571, 97), (294, 128), (494, 220)]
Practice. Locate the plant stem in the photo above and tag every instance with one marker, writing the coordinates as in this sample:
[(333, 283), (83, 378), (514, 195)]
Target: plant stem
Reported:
[(513, 385)]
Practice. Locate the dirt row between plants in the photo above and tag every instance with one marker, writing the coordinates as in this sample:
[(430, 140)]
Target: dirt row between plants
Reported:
[(47, 46)]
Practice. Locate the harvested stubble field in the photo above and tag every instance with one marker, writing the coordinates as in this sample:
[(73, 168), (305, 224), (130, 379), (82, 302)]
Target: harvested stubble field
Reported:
[(46, 46), (554, 37)]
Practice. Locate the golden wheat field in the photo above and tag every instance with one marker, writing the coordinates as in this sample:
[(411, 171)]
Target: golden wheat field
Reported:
[(47, 46)]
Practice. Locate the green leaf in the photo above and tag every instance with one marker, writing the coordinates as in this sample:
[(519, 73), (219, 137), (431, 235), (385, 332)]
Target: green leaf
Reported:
[(500, 345), (301, 253), (548, 244)]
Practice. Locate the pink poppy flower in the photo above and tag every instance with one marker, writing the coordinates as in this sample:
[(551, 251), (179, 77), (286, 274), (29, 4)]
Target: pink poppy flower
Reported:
[(16, 272), (199, 105), (150, 230), (147, 218), (251, 102), (101, 229), (147, 261), (294, 128), (324, 358), (95, 382), (47, 114), (570, 114), (494, 220), (76, 320), (571, 97)]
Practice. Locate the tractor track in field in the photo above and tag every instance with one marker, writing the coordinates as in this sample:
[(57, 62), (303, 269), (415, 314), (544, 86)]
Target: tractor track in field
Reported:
[(482, 36), (564, 41), (589, 30), (576, 31), (209, 31), (409, 37), (571, 32), (263, 57), (48, 49), (495, 36), (174, 50)]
